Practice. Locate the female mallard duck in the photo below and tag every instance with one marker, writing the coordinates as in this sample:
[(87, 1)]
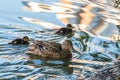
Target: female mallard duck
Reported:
[(51, 50), (65, 31), (18, 41)]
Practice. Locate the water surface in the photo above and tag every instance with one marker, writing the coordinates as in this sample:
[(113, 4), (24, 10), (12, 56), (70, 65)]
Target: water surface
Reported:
[(98, 21)]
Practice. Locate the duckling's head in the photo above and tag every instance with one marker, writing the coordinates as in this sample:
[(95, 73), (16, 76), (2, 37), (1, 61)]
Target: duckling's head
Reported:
[(69, 26), (66, 45), (26, 38)]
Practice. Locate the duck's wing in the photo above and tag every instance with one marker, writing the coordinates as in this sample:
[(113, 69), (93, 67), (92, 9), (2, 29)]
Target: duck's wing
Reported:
[(45, 47), (61, 31), (52, 46), (49, 50)]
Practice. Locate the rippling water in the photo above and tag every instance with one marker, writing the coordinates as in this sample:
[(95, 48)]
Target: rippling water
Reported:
[(94, 45)]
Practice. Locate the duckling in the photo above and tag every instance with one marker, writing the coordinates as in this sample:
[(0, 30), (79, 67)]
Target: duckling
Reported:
[(67, 31), (51, 50), (18, 41)]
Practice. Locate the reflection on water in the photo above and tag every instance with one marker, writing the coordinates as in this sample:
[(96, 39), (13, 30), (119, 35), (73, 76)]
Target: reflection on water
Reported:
[(88, 16), (40, 7), (96, 24)]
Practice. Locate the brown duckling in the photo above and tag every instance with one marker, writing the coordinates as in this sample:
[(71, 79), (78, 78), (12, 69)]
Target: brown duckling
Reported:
[(51, 50), (67, 31), (18, 41)]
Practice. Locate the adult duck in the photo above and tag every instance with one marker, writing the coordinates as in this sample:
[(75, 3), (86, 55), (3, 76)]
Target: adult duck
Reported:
[(51, 50)]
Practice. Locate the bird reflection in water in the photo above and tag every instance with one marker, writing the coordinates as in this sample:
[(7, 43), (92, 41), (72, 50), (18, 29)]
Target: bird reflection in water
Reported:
[(57, 64)]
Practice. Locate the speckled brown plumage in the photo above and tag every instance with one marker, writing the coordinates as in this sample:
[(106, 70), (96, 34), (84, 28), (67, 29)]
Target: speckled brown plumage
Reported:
[(51, 50)]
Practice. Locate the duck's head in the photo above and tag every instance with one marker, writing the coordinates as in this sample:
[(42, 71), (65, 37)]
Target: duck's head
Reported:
[(69, 26), (66, 45), (26, 38)]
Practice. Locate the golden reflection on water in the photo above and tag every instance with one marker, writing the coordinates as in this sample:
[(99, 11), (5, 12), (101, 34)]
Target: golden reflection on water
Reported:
[(86, 15), (64, 20), (86, 18), (40, 7)]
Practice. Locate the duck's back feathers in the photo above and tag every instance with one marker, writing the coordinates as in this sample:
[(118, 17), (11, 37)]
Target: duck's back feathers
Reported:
[(48, 50), (45, 49)]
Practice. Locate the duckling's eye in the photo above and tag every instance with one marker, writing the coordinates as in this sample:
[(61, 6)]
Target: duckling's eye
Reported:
[(25, 39)]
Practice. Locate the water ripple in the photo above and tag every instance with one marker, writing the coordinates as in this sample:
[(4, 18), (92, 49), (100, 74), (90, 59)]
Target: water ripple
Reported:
[(95, 42)]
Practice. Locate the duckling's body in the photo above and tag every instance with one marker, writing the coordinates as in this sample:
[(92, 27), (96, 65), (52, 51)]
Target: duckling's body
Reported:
[(50, 50), (18, 41), (65, 31)]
